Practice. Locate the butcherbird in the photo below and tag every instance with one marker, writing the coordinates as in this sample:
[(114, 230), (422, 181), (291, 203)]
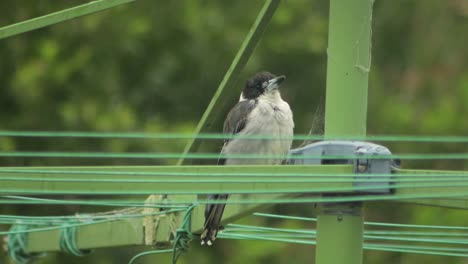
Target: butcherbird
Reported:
[(260, 112)]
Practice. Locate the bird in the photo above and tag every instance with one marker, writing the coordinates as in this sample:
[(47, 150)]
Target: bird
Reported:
[(260, 112)]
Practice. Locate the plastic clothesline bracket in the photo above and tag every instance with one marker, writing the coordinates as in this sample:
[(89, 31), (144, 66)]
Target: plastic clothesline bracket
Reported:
[(367, 170)]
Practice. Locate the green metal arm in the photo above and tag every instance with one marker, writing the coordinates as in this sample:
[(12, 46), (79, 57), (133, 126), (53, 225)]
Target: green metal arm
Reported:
[(137, 231), (167, 179), (60, 16), (132, 231)]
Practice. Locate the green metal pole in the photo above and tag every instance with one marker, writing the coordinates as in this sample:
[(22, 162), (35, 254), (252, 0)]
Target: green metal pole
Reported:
[(348, 67), (340, 226), (340, 234)]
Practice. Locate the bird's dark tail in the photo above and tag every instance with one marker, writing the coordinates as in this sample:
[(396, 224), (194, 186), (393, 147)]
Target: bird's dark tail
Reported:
[(213, 215)]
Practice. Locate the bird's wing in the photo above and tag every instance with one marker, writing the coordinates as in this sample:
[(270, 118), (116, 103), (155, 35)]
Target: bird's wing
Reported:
[(236, 120), (237, 117)]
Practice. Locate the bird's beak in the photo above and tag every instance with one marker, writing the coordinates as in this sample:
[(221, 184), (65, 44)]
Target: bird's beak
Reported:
[(275, 83)]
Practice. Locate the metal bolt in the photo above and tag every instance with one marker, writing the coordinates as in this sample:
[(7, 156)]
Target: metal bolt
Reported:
[(362, 167)]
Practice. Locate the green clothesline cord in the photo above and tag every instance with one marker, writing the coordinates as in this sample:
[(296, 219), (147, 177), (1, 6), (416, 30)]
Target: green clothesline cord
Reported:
[(270, 234), (181, 242), (36, 220), (68, 242), (216, 156), (260, 237), (232, 227), (367, 236), (288, 217), (18, 243), (385, 235), (400, 176), (183, 235), (419, 239), (312, 234), (75, 224), (452, 249), (198, 189), (362, 179), (289, 235), (48, 228), (356, 198), (13, 199), (368, 246), (415, 233), (422, 250), (151, 252), (389, 234), (137, 135), (17, 235)]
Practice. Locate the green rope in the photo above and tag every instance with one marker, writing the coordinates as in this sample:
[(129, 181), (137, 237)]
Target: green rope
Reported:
[(442, 251), (419, 239), (416, 233), (18, 244), (48, 228), (289, 217), (14, 199), (404, 249), (215, 156), (127, 135), (221, 180), (448, 249), (68, 241), (66, 219), (183, 235), (256, 200), (139, 255), (300, 236), (449, 238), (319, 178), (261, 237), (77, 224), (405, 183), (268, 190), (431, 176), (415, 226), (18, 248), (268, 229)]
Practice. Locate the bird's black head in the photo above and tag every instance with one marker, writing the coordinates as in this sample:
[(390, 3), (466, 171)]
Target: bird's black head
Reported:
[(262, 82)]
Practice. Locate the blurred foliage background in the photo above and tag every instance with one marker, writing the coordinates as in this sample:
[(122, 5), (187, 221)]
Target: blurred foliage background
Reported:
[(152, 66)]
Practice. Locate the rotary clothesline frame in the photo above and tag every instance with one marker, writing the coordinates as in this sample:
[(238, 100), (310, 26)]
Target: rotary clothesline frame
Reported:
[(349, 60)]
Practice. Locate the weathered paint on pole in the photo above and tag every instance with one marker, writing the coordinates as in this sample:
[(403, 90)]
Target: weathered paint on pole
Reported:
[(340, 226)]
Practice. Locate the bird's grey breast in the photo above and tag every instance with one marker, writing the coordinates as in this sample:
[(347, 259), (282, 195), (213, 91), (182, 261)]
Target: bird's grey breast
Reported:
[(271, 119)]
